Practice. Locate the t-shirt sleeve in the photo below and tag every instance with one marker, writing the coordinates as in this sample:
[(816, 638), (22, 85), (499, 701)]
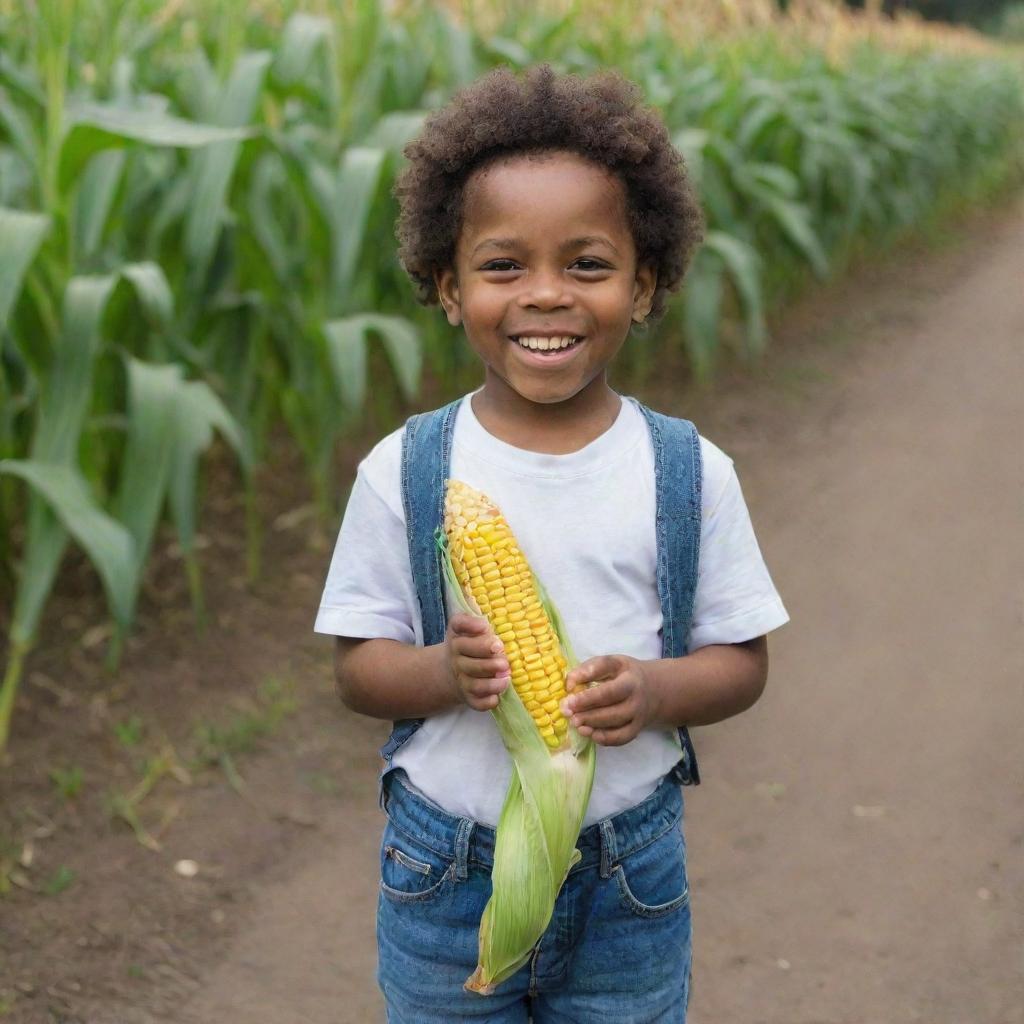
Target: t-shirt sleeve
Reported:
[(369, 590), (735, 599)]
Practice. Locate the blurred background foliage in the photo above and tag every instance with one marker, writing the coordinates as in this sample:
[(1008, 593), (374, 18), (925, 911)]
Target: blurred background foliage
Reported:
[(983, 14), (196, 223)]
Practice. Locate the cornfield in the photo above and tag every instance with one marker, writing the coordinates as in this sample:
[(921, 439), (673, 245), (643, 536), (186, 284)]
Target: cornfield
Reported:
[(196, 224)]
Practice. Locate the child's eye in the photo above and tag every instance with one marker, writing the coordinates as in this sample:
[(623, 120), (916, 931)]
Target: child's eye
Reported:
[(584, 263), (499, 265)]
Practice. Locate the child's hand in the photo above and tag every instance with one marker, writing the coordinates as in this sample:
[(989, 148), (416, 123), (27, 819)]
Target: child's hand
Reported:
[(477, 667), (618, 707)]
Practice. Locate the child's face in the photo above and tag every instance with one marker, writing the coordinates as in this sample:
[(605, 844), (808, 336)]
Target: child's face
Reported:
[(545, 252)]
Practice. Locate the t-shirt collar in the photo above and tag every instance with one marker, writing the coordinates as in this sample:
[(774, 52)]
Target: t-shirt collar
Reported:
[(618, 438)]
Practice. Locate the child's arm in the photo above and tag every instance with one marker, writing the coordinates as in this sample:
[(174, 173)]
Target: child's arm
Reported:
[(390, 679), (712, 683)]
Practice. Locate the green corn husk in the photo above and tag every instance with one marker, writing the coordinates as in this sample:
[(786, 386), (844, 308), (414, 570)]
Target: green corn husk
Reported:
[(535, 844)]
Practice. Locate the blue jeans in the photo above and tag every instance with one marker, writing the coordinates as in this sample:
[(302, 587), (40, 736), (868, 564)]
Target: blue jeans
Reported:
[(617, 949)]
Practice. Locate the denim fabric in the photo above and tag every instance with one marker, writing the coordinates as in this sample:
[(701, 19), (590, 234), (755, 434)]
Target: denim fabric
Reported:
[(426, 457), (677, 475), (617, 949)]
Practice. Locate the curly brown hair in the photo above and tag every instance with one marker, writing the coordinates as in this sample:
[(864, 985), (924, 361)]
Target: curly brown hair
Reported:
[(600, 117)]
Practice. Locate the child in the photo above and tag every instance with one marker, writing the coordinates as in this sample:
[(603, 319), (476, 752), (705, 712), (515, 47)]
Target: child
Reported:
[(547, 214)]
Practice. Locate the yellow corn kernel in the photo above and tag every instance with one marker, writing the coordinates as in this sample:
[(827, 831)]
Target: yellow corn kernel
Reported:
[(489, 565)]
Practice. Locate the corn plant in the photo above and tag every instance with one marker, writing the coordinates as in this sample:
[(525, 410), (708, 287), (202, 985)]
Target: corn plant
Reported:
[(196, 224), (116, 339)]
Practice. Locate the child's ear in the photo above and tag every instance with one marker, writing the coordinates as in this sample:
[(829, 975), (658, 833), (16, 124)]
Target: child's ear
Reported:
[(643, 292), (448, 292)]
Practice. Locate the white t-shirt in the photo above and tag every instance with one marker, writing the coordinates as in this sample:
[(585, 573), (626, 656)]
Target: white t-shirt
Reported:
[(585, 522)]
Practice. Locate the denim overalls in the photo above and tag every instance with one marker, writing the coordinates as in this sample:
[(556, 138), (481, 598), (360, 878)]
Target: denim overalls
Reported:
[(618, 945)]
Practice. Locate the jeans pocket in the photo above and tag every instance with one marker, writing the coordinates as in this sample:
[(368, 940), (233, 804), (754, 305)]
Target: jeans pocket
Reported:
[(652, 882), (409, 870)]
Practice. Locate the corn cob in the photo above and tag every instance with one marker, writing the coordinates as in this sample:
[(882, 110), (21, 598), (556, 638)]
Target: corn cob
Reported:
[(548, 792), (490, 567)]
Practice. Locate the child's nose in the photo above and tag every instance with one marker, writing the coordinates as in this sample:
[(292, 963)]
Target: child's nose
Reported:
[(545, 290)]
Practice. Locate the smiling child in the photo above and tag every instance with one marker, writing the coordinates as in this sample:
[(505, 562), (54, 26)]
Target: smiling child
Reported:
[(547, 215)]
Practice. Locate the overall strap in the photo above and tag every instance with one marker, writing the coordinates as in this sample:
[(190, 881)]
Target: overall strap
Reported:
[(677, 472), (426, 456)]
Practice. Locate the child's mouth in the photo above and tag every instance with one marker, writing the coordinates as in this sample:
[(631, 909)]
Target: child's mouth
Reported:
[(547, 348)]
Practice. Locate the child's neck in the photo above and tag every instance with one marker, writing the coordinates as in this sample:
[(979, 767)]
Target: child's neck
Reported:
[(552, 429)]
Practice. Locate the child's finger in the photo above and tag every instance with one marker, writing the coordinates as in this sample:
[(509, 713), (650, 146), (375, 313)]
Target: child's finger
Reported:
[(486, 645), (610, 737), (585, 700), (483, 703), (485, 687), (614, 716), (484, 694), (481, 668), (464, 624), (601, 667)]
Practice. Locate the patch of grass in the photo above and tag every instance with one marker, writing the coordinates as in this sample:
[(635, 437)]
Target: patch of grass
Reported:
[(126, 805), (68, 781), (218, 744), (62, 878), (129, 732), (323, 784)]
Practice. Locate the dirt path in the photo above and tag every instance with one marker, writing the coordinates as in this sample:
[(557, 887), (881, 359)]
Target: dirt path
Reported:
[(857, 850)]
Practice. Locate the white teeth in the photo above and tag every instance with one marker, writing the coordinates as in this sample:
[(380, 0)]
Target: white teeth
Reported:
[(545, 344)]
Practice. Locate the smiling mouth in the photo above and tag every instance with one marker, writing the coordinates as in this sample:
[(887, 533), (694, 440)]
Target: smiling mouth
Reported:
[(534, 344)]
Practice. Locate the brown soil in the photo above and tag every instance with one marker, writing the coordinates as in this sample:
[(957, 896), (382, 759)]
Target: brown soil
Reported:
[(857, 848)]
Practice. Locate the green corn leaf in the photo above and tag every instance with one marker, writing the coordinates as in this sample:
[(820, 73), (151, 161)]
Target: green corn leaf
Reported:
[(15, 78), (19, 130), (95, 198), (395, 130), (153, 393), (744, 266), (170, 209), (267, 179), (702, 310), (153, 292), (213, 167), (303, 35), (346, 350), (199, 413), (322, 186), (754, 122), (691, 142), (107, 543), (21, 235), (65, 395), (456, 44), (15, 179), (93, 127), (355, 188), (776, 177), (63, 402), (508, 51), (794, 220)]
